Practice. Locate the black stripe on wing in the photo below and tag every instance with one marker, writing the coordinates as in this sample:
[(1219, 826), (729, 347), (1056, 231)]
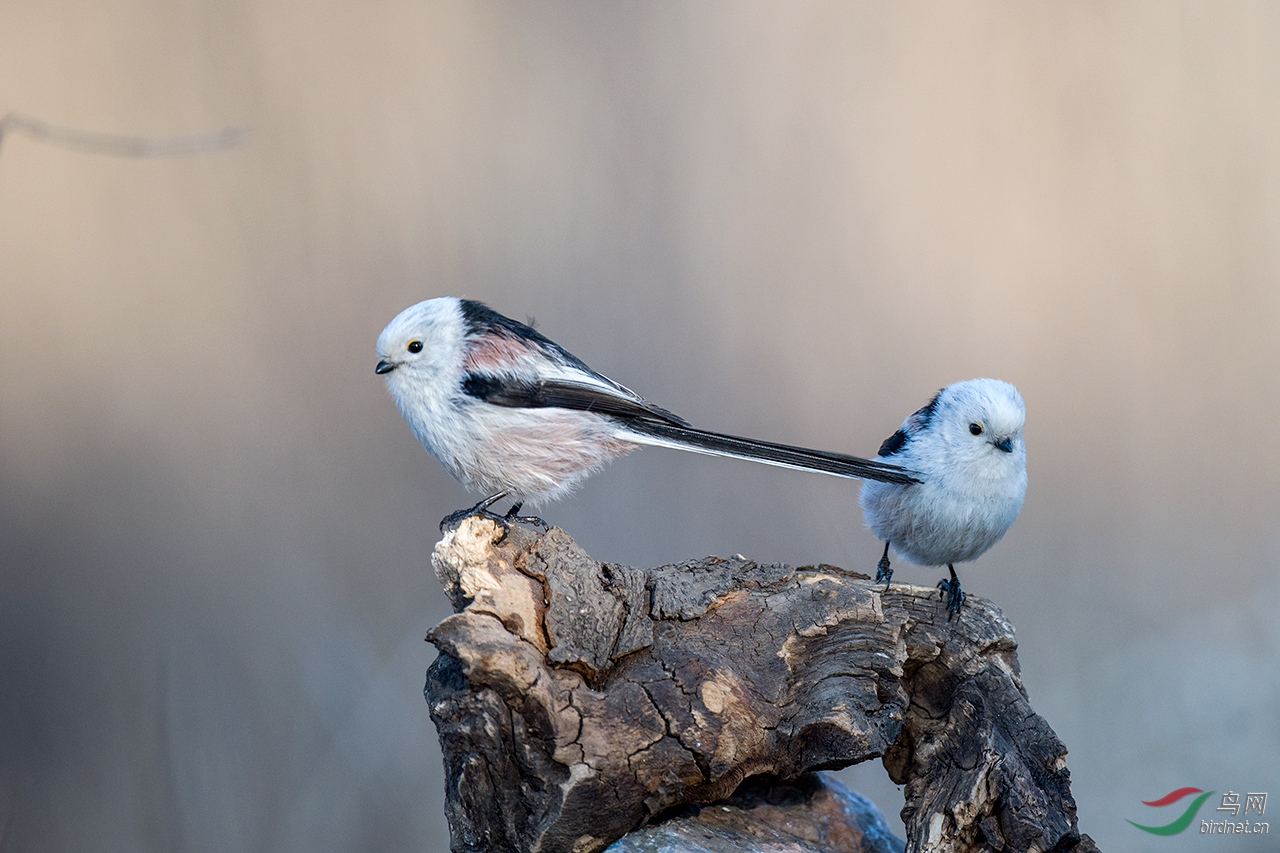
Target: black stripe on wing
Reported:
[(893, 444), (785, 454), (561, 394), (923, 416), (916, 423)]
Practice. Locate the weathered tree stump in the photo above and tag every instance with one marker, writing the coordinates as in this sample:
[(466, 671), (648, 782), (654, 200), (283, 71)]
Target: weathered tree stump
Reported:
[(577, 700), (812, 814)]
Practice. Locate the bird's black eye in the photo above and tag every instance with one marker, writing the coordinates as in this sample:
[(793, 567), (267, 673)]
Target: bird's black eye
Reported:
[(975, 428), (415, 346)]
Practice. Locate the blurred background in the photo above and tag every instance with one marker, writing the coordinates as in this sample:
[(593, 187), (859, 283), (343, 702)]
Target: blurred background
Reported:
[(791, 221)]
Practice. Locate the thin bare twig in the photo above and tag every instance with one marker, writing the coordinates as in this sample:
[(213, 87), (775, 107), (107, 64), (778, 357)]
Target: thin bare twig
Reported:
[(119, 145)]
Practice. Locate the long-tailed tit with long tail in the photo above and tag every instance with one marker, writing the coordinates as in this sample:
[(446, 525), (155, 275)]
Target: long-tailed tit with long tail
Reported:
[(514, 415)]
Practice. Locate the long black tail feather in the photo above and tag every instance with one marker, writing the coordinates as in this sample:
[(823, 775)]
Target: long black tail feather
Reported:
[(802, 458)]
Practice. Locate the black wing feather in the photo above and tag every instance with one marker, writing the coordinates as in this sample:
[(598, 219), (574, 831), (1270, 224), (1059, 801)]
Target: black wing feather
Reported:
[(561, 394), (922, 416), (893, 444), (918, 422)]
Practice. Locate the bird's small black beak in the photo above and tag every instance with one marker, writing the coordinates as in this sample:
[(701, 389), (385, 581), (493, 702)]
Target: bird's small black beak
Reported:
[(1006, 445), (385, 367)]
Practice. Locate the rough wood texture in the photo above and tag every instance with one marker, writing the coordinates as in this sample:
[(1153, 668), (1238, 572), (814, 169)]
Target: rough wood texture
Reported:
[(812, 814), (577, 700)]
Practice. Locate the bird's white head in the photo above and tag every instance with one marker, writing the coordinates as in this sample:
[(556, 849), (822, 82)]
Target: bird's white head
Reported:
[(979, 421), (422, 342)]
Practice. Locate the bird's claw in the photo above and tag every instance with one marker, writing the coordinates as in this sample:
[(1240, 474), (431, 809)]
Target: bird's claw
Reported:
[(883, 572), (531, 520), (513, 516), (481, 510), (453, 519), (952, 593)]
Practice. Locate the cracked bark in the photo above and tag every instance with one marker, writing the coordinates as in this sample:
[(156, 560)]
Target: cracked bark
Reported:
[(577, 701)]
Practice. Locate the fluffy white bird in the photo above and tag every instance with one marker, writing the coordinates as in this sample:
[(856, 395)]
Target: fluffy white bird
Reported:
[(512, 414), (966, 446)]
